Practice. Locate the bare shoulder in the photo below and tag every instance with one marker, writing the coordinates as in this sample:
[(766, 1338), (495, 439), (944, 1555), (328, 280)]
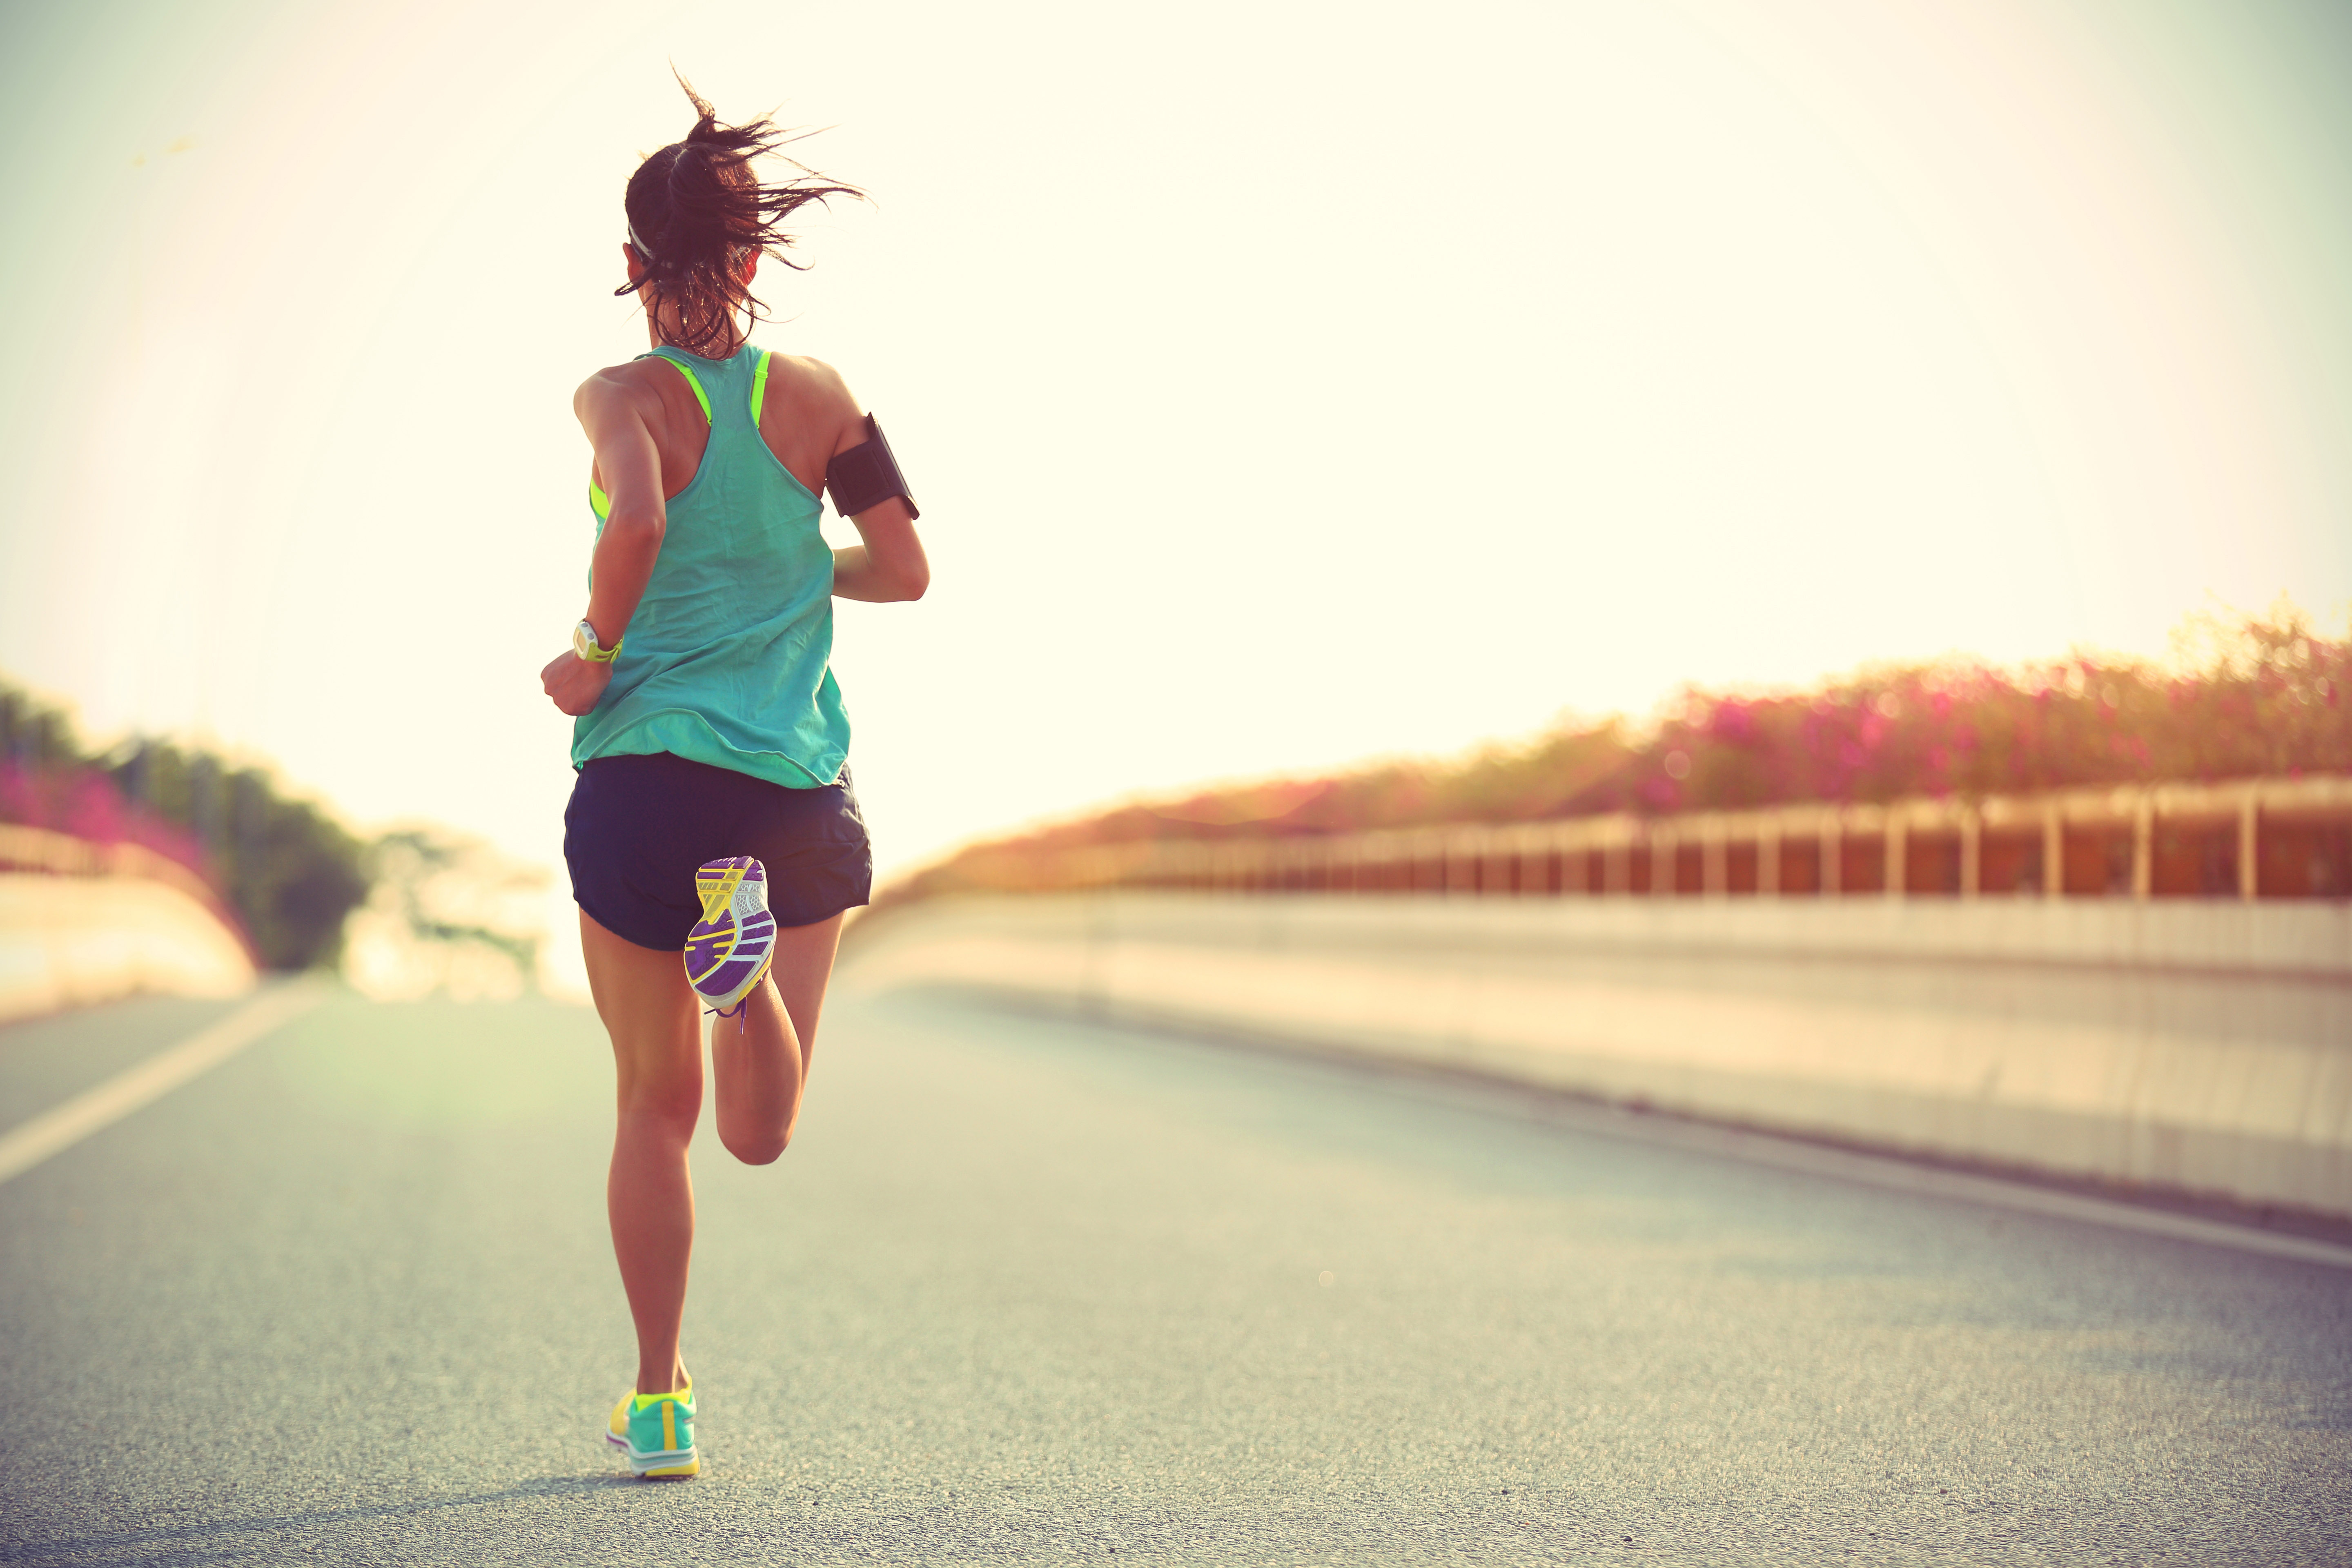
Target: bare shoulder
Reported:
[(819, 397), (812, 377), (618, 386)]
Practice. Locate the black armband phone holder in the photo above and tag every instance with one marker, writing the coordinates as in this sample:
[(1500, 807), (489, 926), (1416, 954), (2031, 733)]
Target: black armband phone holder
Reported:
[(867, 475)]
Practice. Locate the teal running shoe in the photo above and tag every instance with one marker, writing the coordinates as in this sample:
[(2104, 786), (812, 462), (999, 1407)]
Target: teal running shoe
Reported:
[(656, 1432)]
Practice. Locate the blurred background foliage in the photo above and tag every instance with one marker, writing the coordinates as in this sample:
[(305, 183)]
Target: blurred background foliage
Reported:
[(448, 916), (2240, 695), (288, 870)]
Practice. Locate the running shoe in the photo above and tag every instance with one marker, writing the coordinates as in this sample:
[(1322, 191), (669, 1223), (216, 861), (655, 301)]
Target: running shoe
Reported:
[(656, 1432), (728, 949)]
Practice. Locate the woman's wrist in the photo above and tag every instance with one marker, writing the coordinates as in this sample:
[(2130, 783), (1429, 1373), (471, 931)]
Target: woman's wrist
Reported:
[(592, 647)]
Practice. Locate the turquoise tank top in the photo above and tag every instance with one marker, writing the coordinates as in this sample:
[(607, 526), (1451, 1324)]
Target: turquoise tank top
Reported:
[(728, 659)]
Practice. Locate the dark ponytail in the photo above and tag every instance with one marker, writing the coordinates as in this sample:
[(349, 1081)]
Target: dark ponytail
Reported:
[(695, 207)]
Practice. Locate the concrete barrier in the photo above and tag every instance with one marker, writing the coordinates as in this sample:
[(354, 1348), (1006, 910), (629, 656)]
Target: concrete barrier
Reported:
[(67, 941), (2205, 1046)]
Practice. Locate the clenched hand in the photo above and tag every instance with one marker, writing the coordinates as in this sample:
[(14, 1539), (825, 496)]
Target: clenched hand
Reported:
[(575, 684)]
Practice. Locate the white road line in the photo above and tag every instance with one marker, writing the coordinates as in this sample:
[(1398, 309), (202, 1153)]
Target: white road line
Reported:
[(1893, 1170), (25, 1146), (1884, 1170), (1559, 1109)]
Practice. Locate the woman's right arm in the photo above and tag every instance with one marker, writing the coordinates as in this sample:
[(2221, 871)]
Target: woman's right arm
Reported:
[(888, 565)]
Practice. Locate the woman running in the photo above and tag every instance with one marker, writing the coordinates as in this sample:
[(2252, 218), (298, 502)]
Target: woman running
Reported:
[(712, 814)]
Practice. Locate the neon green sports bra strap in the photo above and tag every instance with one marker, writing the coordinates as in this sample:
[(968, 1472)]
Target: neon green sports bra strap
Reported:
[(759, 387), (692, 380)]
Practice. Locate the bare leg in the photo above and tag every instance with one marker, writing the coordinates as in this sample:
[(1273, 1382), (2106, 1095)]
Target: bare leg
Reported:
[(650, 1012), (759, 1058)]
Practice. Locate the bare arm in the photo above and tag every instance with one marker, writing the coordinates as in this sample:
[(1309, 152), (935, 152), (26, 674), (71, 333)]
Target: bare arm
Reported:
[(616, 418), (889, 567)]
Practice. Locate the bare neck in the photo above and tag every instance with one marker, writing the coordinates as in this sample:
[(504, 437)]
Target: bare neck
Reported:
[(659, 338)]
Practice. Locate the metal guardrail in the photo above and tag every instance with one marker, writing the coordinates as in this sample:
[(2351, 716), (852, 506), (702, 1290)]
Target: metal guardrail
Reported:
[(2263, 837), (39, 849)]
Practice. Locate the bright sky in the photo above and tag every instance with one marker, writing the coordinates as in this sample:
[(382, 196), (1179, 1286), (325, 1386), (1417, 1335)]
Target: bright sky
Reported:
[(1283, 386)]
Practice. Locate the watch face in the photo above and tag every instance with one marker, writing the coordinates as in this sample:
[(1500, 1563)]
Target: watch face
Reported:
[(584, 641)]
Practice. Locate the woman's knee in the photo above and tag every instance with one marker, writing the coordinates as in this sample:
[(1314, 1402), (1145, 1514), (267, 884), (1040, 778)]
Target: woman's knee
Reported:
[(672, 1109), (659, 1075), (762, 1146)]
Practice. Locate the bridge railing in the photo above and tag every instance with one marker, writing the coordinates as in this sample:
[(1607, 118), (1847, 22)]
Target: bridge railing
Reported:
[(2246, 839), (39, 849)]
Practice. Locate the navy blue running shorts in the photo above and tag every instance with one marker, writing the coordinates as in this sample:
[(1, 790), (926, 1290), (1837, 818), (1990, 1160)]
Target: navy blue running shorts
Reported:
[(638, 828)]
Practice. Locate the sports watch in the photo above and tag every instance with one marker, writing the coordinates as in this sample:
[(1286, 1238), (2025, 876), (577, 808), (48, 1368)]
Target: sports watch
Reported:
[(583, 643)]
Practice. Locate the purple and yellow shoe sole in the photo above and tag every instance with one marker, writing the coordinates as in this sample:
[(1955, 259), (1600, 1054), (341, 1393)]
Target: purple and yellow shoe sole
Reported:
[(729, 947)]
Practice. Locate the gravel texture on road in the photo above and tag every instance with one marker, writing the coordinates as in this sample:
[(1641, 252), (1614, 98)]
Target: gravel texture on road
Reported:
[(1039, 1292)]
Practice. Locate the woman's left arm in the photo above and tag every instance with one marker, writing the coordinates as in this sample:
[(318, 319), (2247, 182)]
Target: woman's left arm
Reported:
[(615, 419)]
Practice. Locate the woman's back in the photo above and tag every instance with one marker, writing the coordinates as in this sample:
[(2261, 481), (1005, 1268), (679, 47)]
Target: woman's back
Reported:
[(728, 656)]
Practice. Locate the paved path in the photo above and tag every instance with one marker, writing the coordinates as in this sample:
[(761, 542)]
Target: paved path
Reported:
[(1034, 1292)]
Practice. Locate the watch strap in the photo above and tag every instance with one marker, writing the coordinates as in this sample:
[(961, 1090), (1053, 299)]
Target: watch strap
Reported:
[(584, 644)]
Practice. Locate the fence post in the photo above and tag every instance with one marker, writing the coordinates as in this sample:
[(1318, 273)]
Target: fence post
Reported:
[(2054, 852), (1571, 851), (1894, 879), (1767, 859), (2250, 866), (1972, 850), (1832, 853), (2143, 845), (1715, 855)]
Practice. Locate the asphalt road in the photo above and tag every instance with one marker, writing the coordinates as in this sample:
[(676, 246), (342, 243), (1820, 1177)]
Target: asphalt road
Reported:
[(1037, 1291)]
